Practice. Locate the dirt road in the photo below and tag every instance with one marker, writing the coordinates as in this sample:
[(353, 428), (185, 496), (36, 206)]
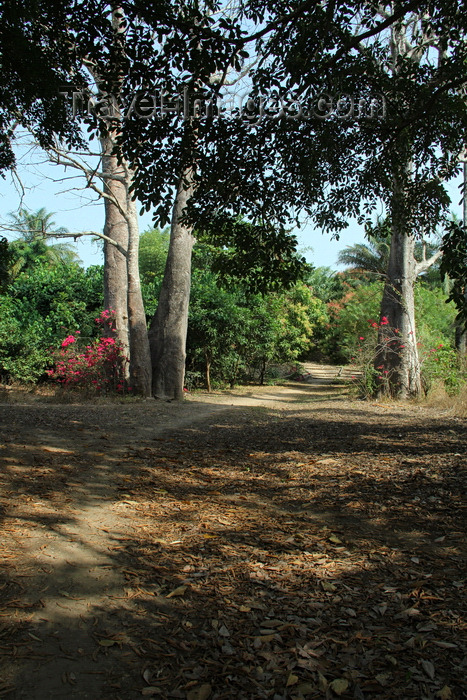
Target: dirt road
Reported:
[(259, 543)]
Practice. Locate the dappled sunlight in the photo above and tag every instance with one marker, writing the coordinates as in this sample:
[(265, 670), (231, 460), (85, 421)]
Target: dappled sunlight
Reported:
[(249, 552)]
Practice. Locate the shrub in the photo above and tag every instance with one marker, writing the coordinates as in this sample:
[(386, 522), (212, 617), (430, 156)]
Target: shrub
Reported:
[(442, 363), (99, 367)]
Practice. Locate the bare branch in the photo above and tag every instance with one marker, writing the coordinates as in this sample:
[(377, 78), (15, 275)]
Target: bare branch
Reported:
[(425, 264), (67, 234), (80, 234)]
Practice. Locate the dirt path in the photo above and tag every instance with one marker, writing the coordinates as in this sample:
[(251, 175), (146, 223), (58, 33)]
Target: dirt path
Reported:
[(212, 549)]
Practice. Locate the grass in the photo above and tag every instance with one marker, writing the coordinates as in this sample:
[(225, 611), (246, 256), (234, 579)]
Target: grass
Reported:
[(455, 405)]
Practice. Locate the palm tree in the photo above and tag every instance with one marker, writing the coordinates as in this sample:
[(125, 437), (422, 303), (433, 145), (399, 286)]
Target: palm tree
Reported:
[(371, 260), (35, 228)]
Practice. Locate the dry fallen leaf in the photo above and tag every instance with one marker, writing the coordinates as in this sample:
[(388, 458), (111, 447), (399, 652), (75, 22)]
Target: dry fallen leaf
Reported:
[(305, 688), (383, 678), (328, 587), (428, 668), (202, 692), (322, 682), (147, 675), (107, 642), (339, 686), (150, 691), (445, 693), (335, 540), (179, 591), (291, 680)]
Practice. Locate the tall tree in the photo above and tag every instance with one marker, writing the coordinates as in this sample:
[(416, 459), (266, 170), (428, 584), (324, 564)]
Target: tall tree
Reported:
[(41, 46), (105, 70), (324, 157), (328, 157)]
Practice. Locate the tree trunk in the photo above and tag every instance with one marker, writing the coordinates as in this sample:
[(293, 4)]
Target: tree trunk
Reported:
[(208, 372), (116, 228), (262, 372), (396, 362), (140, 355), (461, 326), (167, 334)]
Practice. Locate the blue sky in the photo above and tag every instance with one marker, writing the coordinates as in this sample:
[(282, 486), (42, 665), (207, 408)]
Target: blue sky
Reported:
[(44, 187)]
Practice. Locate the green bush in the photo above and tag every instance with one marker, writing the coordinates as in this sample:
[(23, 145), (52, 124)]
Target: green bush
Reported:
[(234, 336), (38, 308), (350, 316)]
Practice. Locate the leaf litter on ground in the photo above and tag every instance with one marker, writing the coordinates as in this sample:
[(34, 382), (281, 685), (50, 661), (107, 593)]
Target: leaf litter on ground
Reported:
[(293, 554)]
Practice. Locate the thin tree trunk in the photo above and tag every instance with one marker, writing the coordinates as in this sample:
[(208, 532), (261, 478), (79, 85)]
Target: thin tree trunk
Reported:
[(208, 372), (167, 334), (140, 355)]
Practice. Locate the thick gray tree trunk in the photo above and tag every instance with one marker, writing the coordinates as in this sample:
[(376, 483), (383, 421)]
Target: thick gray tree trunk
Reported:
[(168, 329), (116, 228), (397, 358), (122, 287), (461, 330), (140, 356)]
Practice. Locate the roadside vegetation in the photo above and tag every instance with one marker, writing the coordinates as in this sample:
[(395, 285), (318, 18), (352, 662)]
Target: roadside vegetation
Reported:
[(235, 335)]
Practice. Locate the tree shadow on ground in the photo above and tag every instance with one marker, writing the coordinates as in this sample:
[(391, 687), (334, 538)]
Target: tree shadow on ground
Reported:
[(260, 554)]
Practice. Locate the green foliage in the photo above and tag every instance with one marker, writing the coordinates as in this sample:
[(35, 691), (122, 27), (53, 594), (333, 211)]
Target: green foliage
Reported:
[(31, 249), (5, 260), (233, 335), (263, 256), (325, 284), (153, 249), (443, 363), (370, 259), (38, 308), (435, 317), (23, 352), (454, 264), (350, 316), (215, 328)]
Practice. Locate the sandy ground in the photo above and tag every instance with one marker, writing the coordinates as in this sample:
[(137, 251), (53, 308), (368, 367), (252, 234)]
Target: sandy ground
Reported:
[(85, 488)]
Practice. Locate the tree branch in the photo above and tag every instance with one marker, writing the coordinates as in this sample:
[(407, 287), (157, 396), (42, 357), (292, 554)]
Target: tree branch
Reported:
[(119, 247), (425, 264)]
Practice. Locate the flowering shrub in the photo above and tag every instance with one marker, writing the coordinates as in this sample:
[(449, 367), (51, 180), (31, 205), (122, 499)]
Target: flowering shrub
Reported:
[(368, 377), (99, 367), (437, 363)]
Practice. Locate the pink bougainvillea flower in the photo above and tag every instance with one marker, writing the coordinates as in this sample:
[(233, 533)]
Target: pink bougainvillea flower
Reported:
[(68, 341)]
